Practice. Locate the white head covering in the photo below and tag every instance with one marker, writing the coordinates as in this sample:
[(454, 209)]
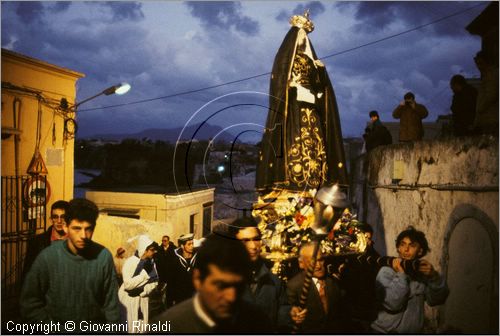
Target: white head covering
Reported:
[(143, 242), (197, 242)]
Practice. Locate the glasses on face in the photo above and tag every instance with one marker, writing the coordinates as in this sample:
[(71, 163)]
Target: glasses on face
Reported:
[(55, 217), (165, 241)]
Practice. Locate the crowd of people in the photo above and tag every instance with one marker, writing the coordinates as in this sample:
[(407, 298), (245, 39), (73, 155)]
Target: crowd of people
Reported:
[(223, 286)]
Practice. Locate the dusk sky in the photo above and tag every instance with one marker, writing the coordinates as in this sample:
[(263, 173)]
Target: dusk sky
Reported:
[(164, 48)]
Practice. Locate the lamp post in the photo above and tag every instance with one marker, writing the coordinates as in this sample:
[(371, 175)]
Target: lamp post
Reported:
[(118, 89), (70, 126)]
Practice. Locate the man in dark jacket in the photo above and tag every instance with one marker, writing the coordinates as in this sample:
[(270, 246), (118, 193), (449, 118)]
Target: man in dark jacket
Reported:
[(410, 114), (322, 313), (357, 278), (378, 135), (165, 261), (54, 233), (181, 286), (265, 289), (219, 276), (463, 105)]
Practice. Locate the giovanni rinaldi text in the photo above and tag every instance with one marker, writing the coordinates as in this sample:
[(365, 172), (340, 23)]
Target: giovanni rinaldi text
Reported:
[(46, 328)]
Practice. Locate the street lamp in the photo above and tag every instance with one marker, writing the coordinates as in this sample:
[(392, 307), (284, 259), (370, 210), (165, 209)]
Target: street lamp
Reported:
[(70, 126), (118, 89)]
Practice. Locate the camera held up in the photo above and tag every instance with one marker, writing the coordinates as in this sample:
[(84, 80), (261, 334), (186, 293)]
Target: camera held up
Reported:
[(409, 266)]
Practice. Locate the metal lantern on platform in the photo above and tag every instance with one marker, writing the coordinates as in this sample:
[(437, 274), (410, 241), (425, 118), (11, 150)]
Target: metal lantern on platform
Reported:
[(329, 204)]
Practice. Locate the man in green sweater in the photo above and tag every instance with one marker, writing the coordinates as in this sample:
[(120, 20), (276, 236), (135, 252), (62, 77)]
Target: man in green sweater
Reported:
[(73, 280)]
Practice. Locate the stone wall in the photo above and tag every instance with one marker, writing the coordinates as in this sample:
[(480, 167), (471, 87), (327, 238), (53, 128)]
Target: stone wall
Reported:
[(434, 186)]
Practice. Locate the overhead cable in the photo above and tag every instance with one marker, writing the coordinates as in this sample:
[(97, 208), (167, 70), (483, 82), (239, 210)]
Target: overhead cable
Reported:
[(268, 73)]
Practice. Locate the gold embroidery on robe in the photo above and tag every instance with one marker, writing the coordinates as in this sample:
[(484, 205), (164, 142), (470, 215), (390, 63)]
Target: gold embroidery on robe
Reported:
[(307, 156), (301, 69)]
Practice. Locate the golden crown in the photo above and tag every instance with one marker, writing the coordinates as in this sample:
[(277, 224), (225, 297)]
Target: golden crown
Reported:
[(302, 21)]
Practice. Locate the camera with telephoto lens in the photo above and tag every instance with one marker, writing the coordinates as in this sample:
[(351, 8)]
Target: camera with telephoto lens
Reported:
[(409, 266)]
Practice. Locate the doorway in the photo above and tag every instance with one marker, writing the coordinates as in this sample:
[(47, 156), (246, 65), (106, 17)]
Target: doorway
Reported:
[(472, 275)]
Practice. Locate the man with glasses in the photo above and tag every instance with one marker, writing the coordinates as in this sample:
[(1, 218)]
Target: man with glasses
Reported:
[(165, 261), (167, 245), (54, 233), (265, 289)]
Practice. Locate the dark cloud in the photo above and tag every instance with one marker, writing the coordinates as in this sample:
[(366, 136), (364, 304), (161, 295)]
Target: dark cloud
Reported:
[(223, 14), (59, 6), (30, 11), (101, 52), (158, 64), (315, 8), (376, 76), (377, 16), (124, 10)]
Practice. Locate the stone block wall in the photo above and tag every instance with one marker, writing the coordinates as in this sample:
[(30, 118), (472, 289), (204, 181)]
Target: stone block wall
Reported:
[(449, 190)]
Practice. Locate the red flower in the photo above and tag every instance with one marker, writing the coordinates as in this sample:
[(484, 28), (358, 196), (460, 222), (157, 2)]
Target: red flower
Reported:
[(351, 230), (299, 218), (331, 235)]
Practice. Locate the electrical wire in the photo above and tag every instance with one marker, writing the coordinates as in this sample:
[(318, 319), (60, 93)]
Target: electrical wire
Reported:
[(42, 100), (268, 73), (177, 94), (404, 32)]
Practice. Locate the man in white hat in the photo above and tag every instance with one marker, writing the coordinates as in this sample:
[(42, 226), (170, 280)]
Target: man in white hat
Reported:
[(182, 285), (140, 278)]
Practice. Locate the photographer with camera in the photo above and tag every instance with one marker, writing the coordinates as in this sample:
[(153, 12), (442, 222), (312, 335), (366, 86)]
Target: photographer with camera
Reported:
[(410, 114), (403, 288)]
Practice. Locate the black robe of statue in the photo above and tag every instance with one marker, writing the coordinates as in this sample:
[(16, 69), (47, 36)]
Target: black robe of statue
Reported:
[(302, 146)]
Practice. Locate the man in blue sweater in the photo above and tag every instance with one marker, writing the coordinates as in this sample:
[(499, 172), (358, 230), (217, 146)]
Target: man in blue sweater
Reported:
[(403, 288), (73, 279)]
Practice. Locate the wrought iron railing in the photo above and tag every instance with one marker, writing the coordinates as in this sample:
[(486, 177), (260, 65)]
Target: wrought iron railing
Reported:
[(23, 214)]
